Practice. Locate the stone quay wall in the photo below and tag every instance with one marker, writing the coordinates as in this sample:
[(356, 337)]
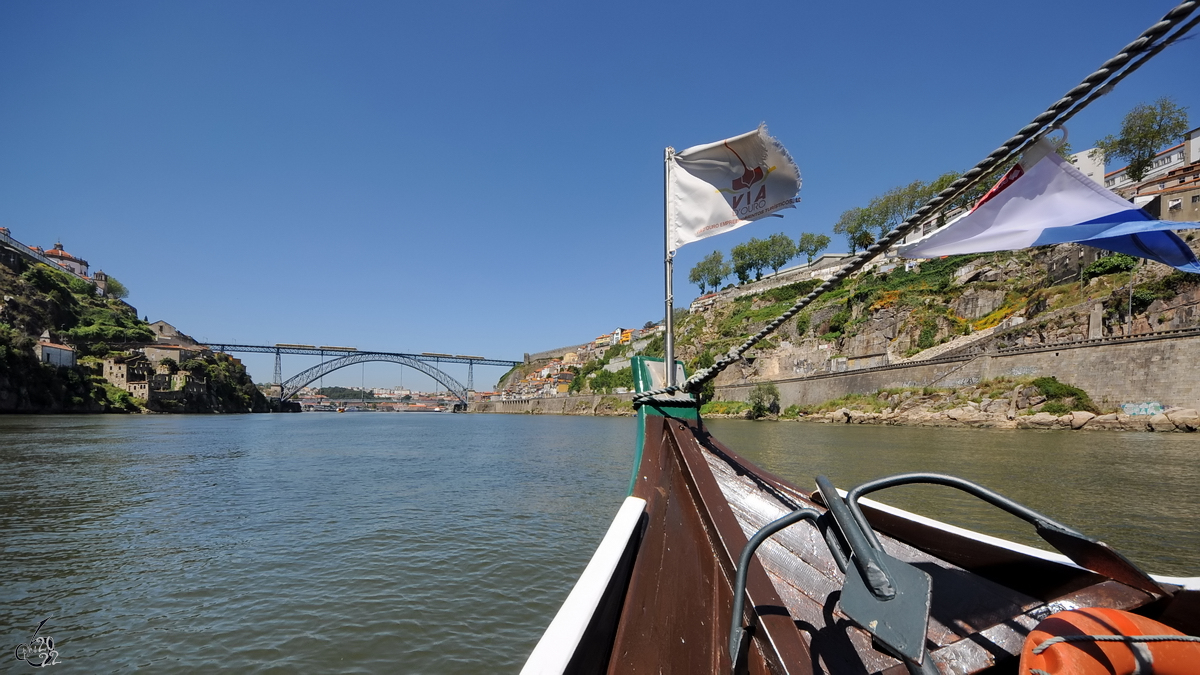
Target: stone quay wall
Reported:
[(1161, 368), (559, 405)]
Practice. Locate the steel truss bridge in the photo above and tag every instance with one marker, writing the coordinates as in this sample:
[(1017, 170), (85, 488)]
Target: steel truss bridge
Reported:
[(426, 362)]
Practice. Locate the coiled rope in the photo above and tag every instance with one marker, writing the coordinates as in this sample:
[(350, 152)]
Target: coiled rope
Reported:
[(1152, 41)]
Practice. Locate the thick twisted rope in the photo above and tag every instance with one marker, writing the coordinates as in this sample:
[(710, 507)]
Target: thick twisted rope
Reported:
[(1100, 82)]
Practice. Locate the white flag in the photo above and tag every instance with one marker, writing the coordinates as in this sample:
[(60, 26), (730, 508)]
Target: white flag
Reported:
[(721, 186)]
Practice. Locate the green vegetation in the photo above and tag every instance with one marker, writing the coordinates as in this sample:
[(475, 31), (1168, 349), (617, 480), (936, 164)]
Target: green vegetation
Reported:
[(764, 400), (614, 404), (597, 366), (45, 298), (605, 381), (1161, 288), (116, 289), (710, 272), (724, 408), (40, 299), (656, 347), (345, 393), (777, 250), (1110, 264), (811, 245), (1062, 398)]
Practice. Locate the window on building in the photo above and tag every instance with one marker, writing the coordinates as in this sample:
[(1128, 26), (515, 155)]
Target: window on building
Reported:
[(1175, 205), (1196, 199)]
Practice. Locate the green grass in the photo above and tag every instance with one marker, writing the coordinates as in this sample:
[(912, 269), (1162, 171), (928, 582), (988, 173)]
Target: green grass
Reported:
[(724, 408)]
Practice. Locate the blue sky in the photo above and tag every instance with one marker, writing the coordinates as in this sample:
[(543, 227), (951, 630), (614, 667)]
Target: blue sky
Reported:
[(486, 178)]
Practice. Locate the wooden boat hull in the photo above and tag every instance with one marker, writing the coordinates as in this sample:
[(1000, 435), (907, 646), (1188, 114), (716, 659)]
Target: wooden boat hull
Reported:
[(665, 604)]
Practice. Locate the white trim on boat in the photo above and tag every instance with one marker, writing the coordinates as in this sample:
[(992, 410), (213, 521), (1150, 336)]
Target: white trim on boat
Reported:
[(558, 644), (1189, 583)]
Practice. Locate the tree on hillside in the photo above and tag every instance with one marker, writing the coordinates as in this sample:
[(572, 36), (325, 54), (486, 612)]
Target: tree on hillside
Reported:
[(779, 249), (710, 271), (742, 257), (812, 244), (761, 255), (116, 289), (1146, 129), (856, 225)]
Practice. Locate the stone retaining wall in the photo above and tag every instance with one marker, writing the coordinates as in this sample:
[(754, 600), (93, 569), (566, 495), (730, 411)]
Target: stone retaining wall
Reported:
[(1165, 369), (560, 405)]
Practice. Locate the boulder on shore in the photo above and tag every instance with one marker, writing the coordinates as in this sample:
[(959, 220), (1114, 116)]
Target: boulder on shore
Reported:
[(1184, 419), (1080, 418), (1161, 422)]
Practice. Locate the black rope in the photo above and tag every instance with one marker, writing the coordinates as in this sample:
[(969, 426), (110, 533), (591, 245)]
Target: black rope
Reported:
[(1112, 638), (1112, 71)]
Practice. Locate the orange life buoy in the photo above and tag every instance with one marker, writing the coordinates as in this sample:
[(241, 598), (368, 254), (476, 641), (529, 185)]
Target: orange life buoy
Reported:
[(1084, 647)]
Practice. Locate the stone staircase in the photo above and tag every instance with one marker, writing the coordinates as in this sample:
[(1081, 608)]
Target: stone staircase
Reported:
[(944, 349)]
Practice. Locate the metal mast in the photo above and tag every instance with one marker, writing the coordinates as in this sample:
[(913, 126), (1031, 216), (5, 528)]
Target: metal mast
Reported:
[(669, 323)]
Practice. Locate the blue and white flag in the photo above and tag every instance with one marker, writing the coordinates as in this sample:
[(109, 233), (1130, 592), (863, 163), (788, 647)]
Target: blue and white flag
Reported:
[(719, 187), (1045, 200)]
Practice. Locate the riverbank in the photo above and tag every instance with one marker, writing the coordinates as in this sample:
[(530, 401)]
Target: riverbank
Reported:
[(970, 416), (1025, 408), (1003, 403), (610, 405)]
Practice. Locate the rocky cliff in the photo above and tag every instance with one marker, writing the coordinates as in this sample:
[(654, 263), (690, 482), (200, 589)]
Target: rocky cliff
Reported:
[(942, 307)]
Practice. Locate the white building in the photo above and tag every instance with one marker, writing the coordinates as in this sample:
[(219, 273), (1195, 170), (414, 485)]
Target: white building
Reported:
[(1170, 159), (53, 354), (66, 260)]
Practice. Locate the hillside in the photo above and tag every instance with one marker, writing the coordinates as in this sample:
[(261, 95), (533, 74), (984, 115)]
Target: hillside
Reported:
[(941, 307), (39, 300)]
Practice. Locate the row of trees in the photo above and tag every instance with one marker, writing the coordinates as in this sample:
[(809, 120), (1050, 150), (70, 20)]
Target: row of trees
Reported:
[(861, 225), (755, 256), (1145, 129)]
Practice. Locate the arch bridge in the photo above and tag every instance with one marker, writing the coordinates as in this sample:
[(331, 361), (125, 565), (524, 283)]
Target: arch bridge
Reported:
[(426, 363), (297, 382)]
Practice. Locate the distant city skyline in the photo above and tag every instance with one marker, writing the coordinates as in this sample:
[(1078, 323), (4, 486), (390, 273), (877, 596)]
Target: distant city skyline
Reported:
[(486, 179)]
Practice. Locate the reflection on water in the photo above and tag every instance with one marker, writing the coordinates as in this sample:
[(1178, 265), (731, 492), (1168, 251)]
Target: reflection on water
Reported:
[(439, 543)]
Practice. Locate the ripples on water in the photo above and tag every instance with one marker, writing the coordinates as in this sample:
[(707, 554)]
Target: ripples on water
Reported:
[(300, 543), (438, 543)]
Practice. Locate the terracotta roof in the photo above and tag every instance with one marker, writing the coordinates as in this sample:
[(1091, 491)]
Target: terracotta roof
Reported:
[(58, 252)]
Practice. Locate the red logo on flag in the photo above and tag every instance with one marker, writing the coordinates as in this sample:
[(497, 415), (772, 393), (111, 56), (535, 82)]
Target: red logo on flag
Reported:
[(749, 176), (1009, 178)]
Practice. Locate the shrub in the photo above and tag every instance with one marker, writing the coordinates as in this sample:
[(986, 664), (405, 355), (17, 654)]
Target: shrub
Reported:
[(655, 347), (764, 400), (1056, 391), (928, 334), (1110, 264), (1056, 408), (838, 321)]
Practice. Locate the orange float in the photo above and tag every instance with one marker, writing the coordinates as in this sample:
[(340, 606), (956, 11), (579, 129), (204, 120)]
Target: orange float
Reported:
[(1107, 642)]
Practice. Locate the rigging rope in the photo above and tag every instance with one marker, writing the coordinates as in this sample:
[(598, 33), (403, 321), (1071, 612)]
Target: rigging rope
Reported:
[(1100, 82)]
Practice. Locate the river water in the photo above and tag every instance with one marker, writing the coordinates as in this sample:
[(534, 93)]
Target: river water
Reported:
[(437, 543)]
